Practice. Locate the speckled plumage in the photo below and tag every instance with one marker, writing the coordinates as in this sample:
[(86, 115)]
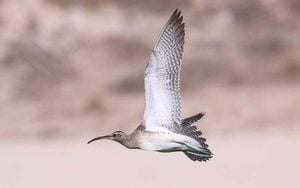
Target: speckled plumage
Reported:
[(162, 76), (162, 87)]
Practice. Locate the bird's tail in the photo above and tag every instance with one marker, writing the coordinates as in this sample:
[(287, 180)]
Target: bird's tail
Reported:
[(203, 156), (190, 130)]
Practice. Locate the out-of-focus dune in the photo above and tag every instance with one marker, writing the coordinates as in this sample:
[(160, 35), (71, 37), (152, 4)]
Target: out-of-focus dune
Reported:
[(72, 70)]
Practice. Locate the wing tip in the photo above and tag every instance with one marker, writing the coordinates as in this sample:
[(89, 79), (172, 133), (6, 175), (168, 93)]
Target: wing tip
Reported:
[(176, 11), (176, 23), (176, 16)]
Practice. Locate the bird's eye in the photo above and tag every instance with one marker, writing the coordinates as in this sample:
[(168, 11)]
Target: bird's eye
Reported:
[(114, 135)]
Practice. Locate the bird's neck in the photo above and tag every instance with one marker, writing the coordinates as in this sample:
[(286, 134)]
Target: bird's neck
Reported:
[(131, 141)]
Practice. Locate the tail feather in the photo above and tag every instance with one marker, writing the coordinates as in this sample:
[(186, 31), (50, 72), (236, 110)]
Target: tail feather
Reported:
[(198, 157), (187, 128)]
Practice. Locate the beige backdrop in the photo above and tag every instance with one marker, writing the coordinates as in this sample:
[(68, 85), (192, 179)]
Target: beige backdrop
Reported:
[(71, 70)]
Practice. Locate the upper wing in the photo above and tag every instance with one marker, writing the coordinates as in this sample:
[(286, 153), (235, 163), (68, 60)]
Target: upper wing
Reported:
[(162, 75)]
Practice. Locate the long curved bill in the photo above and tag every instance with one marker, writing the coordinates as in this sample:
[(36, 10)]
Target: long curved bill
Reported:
[(99, 138)]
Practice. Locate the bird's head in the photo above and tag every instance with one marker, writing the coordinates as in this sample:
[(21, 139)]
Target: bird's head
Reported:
[(117, 136)]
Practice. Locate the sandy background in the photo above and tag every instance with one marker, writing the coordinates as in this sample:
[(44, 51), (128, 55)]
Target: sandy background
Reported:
[(71, 70)]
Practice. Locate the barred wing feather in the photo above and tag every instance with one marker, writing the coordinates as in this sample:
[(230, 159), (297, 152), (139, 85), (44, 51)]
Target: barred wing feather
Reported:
[(162, 76)]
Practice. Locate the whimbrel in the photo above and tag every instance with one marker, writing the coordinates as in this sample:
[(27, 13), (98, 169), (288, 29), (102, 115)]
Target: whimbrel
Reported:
[(162, 128)]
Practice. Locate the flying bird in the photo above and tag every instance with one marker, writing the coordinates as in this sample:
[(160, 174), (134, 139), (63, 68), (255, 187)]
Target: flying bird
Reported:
[(162, 128)]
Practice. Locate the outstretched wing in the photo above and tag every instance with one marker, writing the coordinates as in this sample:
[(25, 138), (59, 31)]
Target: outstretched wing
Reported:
[(162, 75)]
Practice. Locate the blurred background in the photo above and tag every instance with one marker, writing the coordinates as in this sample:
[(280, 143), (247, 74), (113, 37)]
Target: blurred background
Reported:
[(71, 70)]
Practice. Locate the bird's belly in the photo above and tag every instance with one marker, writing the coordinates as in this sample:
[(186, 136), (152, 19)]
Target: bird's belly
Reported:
[(162, 144), (163, 147)]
